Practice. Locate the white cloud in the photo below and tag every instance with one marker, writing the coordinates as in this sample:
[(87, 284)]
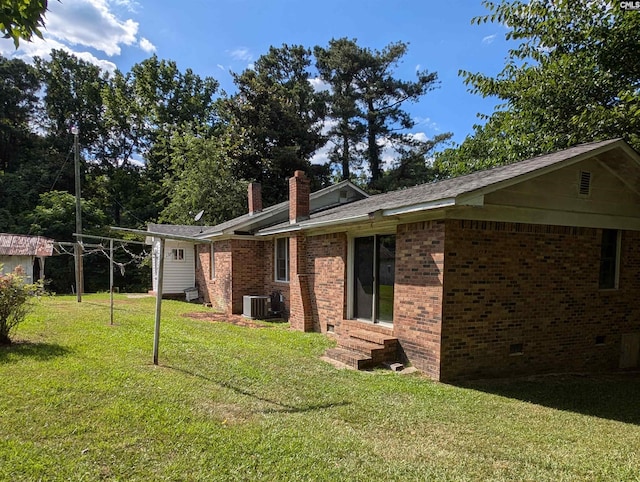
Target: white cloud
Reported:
[(426, 122), (146, 45), (489, 39), (90, 23), (241, 53), (131, 5), (221, 67), (321, 156), (42, 48), (82, 28), (319, 85), (419, 136)]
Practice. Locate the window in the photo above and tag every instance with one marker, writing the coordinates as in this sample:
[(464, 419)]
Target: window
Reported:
[(282, 259), (177, 254), (609, 259), (212, 261)]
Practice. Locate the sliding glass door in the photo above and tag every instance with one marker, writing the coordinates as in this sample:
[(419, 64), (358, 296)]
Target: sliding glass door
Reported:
[(374, 277)]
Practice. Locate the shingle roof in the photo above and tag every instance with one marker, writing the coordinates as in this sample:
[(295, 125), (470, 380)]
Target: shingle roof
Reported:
[(177, 229), (447, 189), (23, 245), (245, 220)]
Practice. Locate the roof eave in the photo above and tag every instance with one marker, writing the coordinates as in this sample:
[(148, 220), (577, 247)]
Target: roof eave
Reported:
[(152, 234), (425, 206), (371, 216)]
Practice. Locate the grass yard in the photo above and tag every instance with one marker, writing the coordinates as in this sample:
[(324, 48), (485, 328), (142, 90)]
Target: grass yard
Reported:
[(81, 400)]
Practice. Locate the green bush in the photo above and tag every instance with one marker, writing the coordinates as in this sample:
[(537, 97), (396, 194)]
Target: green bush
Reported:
[(15, 301)]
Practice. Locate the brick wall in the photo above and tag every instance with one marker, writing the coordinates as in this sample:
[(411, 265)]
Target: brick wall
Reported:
[(216, 291), (240, 270), (326, 267), (508, 285), (300, 297), (418, 293), (248, 269)]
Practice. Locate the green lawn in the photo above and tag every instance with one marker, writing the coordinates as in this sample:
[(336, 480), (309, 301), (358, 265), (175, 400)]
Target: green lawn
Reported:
[(81, 400)]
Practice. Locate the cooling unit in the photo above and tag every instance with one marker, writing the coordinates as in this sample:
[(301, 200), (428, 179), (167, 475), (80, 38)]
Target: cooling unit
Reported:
[(255, 307)]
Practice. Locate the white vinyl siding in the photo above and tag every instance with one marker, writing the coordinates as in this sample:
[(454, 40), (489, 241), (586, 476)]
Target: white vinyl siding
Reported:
[(178, 274)]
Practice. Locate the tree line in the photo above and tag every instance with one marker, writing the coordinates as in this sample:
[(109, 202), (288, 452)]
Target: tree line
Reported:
[(160, 144)]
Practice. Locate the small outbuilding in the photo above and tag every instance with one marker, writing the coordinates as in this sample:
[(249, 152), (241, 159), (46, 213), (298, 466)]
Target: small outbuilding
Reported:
[(29, 252)]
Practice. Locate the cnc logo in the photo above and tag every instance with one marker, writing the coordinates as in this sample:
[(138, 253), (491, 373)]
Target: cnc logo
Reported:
[(630, 5)]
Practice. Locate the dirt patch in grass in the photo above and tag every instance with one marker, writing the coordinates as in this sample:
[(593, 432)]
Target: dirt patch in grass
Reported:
[(233, 319)]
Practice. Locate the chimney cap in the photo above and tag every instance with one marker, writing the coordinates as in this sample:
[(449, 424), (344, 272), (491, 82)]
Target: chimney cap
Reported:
[(298, 173)]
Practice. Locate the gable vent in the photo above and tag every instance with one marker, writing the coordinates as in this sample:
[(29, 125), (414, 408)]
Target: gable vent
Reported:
[(585, 183)]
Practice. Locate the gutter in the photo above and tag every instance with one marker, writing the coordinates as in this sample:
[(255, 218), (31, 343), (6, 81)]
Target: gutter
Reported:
[(371, 216), (426, 206), (152, 234)]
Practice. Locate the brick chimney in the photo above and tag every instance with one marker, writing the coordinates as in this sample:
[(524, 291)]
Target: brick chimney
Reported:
[(299, 190), (255, 198)]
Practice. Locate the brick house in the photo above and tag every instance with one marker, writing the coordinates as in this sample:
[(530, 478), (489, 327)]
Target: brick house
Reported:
[(528, 268)]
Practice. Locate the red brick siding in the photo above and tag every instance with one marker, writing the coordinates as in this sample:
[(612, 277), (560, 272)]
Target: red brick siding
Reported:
[(300, 296), (508, 283), (326, 266), (247, 270), (269, 276), (216, 291), (240, 270), (418, 293)]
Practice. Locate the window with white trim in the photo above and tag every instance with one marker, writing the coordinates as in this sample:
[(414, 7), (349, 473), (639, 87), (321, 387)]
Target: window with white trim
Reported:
[(177, 254), (281, 259)]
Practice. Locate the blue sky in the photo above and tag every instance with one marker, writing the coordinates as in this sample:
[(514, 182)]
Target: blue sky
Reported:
[(213, 37)]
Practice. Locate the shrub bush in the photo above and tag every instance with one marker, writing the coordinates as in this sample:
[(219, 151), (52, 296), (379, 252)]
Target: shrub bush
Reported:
[(15, 301)]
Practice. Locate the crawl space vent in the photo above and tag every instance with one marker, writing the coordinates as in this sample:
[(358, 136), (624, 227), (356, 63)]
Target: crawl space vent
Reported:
[(585, 183)]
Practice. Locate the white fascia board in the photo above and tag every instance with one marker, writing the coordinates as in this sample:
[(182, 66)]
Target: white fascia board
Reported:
[(152, 234), (211, 235), (427, 206), (314, 224), (284, 229), (372, 216), (352, 219)]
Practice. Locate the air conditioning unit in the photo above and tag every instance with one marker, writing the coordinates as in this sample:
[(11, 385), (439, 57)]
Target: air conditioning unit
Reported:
[(255, 307)]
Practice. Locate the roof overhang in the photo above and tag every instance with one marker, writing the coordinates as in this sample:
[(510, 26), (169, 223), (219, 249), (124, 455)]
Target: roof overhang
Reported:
[(366, 217), (152, 234)]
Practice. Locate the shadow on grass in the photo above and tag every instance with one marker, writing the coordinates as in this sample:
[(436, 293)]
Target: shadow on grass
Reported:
[(283, 407), (612, 397), (27, 349)]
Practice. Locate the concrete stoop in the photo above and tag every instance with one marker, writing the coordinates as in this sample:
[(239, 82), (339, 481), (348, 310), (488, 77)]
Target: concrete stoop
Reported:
[(363, 350)]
